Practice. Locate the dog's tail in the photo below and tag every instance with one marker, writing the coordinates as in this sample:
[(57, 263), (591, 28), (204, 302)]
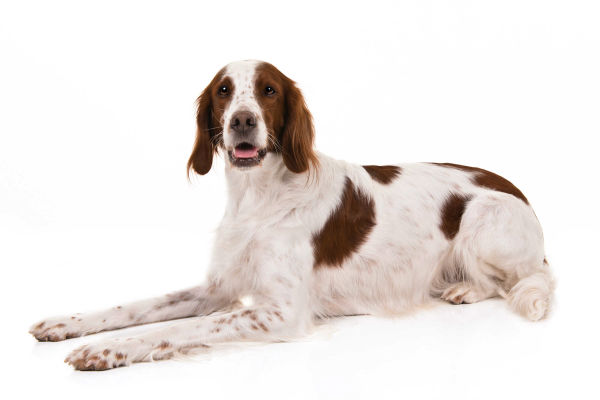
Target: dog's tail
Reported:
[(532, 295)]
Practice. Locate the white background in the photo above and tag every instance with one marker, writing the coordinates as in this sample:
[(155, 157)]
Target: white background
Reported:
[(97, 122)]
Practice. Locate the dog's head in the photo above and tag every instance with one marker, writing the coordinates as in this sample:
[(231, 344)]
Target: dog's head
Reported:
[(250, 110)]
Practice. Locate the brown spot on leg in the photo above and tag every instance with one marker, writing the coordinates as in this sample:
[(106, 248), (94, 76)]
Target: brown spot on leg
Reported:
[(263, 327), (61, 325), (346, 229), (175, 298), (106, 352), (71, 335), (278, 314), (452, 213), (164, 345), (119, 356), (383, 174)]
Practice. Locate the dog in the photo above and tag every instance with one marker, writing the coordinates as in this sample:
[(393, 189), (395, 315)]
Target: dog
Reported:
[(305, 236)]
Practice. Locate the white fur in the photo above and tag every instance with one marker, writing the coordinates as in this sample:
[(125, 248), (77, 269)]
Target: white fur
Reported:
[(263, 249)]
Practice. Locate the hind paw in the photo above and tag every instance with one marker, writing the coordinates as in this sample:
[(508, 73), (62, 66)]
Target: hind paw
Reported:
[(462, 292)]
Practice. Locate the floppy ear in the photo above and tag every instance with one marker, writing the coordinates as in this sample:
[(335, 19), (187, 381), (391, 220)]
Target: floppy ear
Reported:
[(205, 146), (298, 133)]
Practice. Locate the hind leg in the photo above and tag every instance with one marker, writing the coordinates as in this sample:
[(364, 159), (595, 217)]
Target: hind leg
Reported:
[(499, 250)]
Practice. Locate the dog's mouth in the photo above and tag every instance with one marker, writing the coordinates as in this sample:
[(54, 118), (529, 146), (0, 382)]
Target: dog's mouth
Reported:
[(246, 155)]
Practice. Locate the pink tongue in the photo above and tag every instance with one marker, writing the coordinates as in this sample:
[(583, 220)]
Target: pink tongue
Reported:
[(245, 153)]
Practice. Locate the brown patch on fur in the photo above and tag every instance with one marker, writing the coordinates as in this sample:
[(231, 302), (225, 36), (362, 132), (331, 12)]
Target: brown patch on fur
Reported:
[(346, 229), (106, 352), (263, 327), (96, 364), (71, 335), (278, 314), (101, 365), (489, 180), (288, 120), (40, 325), (174, 299), (383, 174), (255, 327), (452, 213), (119, 356), (164, 345), (246, 312), (61, 325)]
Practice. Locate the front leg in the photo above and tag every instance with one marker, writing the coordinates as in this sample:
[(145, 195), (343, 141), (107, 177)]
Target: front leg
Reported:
[(260, 323), (196, 301)]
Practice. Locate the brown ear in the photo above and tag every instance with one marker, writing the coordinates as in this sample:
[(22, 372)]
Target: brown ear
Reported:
[(207, 128), (298, 133)]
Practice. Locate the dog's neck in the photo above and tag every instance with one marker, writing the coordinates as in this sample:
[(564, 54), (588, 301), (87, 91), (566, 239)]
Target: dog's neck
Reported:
[(261, 184)]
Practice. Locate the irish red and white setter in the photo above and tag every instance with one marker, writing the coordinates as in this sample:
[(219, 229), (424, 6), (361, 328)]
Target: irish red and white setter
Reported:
[(307, 236)]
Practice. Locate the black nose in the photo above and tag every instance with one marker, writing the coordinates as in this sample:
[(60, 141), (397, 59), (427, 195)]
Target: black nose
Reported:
[(243, 122)]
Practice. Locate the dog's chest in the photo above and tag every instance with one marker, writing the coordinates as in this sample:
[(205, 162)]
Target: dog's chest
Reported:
[(253, 252)]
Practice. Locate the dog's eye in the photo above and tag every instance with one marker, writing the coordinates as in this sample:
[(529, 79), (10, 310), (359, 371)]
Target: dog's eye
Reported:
[(269, 91), (223, 90)]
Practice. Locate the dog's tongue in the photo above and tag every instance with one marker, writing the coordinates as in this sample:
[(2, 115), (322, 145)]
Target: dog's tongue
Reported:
[(245, 152)]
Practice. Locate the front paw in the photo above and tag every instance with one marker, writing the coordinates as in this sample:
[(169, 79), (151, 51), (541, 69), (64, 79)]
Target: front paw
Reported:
[(57, 329), (121, 352), (99, 356)]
